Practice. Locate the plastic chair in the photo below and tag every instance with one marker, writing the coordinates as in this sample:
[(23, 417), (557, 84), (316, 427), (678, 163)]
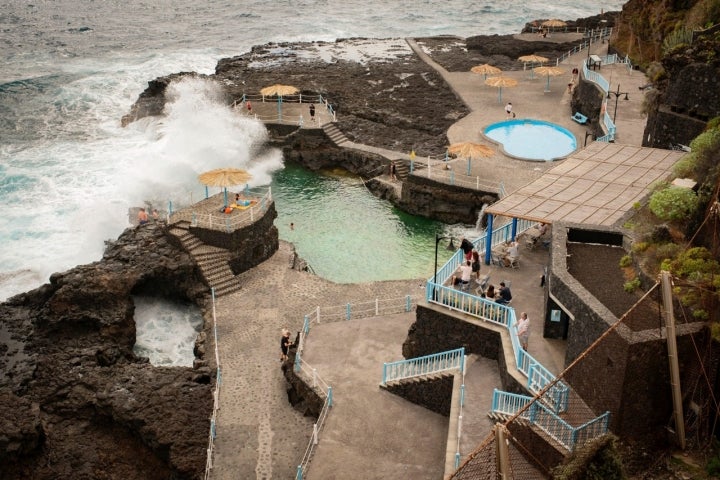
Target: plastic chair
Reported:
[(514, 262)]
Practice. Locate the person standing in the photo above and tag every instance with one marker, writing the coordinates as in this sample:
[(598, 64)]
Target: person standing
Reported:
[(393, 172), (312, 112), (285, 344), (508, 110), (249, 107), (476, 265), (142, 216), (467, 248), (523, 330)]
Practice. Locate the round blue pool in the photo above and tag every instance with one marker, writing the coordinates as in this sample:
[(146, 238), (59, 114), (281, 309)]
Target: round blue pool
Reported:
[(532, 139)]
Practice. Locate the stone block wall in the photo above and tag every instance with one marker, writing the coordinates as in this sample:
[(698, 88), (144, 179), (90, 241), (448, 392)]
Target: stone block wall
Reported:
[(435, 394), (436, 331), (627, 373), (250, 245), (447, 203)]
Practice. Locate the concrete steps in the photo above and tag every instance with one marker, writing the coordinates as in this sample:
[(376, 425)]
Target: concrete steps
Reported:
[(334, 134), (213, 261)]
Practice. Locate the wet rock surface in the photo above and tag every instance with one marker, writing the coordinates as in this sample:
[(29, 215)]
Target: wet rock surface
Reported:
[(75, 402)]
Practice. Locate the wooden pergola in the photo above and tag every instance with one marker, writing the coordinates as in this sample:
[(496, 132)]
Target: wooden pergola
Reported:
[(598, 185)]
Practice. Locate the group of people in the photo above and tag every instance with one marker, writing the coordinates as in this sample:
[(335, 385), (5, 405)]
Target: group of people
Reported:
[(471, 267), (143, 217), (501, 295)]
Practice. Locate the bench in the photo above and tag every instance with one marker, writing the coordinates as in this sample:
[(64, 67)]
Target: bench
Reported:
[(579, 118)]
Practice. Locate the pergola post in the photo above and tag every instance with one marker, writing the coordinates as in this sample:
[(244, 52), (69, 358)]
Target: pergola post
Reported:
[(514, 229), (488, 239)]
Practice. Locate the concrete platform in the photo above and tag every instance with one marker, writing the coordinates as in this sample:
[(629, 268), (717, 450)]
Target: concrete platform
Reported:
[(371, 433)]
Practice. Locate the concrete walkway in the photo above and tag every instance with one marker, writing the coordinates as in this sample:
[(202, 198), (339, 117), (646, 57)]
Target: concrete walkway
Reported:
[(371, 433)]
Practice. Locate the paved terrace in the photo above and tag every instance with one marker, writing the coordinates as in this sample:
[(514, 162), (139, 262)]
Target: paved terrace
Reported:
[(371, 433)]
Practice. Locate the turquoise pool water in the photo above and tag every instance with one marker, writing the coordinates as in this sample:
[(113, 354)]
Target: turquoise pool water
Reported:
[(347, 235), (533, 139)]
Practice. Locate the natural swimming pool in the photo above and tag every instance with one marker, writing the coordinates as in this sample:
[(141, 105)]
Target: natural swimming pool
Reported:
[(532, 139)]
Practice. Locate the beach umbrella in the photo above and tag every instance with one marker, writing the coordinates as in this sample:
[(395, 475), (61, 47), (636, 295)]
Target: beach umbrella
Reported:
[(550, 72), (531, 59), (278, 90), (500, 83), (224, 177), (485, 69), (553, 23), (469, 150)]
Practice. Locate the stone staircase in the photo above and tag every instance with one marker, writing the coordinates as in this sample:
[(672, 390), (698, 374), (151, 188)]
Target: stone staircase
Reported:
[(213, 261), (402, 169), (334, 134)]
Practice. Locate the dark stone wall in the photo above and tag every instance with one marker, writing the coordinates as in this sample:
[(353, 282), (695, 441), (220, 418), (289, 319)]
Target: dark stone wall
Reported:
[(312, 149), (544, 454), (250, 245), (435, 332), (434, 394), (439, 201), (627, 372), (587, 98), (301, 395), (665, 127)]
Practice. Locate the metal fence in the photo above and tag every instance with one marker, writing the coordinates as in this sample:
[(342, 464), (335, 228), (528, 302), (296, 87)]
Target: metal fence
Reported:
[(216, 395), (281, 116), (199, 214), (309, 374)]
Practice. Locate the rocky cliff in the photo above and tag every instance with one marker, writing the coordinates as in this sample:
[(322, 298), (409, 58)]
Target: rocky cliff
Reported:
[(75, 402), (677, 45)]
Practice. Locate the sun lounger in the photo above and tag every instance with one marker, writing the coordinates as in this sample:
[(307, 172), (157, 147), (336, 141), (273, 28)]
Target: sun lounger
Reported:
[(579, 118)]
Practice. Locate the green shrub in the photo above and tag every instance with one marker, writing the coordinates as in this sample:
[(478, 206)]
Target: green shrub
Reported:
[(713, 466), (686, 166), (680, 37), (625, 261), (673, 203), (640, 246), (632, 285), (667, 250)]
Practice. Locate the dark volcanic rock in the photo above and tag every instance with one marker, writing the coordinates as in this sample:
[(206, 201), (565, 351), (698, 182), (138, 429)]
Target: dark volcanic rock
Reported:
[(75, 402)]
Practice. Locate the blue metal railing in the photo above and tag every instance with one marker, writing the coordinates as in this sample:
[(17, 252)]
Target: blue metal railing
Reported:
[(436, 292), (415, 367), (548, 421)]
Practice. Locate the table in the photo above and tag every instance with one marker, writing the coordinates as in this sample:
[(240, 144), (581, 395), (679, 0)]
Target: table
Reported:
[(595, 62)]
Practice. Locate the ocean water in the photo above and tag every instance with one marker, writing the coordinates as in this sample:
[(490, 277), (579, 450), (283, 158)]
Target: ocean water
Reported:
[(69, 70)]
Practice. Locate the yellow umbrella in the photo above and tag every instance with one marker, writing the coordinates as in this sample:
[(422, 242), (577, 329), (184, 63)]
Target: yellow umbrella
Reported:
[(470, 150), (278, 90), (224, 177), (550, 72), (501, 82), (532, 59), (485, 69), (554, 22)]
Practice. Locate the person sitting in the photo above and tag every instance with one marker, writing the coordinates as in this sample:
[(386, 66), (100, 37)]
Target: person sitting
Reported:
[(465, 272), (512, 254), (490, 292), (504, 295)]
